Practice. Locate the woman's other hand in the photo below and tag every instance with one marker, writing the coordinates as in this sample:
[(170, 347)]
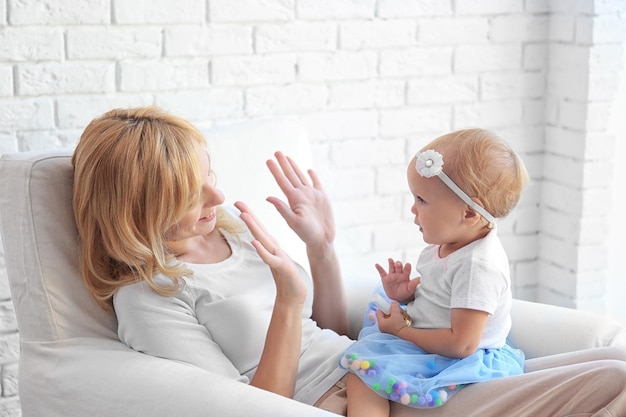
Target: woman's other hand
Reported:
[(289, 286), (278, 365)]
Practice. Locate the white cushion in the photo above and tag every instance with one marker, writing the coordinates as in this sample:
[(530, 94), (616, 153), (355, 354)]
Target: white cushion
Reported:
[(40, 242)]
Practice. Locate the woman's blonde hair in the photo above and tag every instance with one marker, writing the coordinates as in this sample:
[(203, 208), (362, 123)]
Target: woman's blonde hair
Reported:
[(136, 174), (483, 166)]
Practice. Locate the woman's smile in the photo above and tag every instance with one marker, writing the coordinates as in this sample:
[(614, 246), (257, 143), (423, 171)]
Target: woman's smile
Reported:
[(207, 218)]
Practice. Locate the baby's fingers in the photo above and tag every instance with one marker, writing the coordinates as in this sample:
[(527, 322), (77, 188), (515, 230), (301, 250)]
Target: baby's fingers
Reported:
[(381, 271)]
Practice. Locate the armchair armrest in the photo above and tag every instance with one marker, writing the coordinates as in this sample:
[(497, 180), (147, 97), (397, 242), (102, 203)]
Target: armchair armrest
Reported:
[(543, 329), (101, 377)]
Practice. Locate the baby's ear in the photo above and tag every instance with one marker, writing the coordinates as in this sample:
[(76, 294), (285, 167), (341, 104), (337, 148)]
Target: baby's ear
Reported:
[(471, 216)]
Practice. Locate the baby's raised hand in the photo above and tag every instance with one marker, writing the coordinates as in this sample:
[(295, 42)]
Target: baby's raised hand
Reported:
[(397, 282)]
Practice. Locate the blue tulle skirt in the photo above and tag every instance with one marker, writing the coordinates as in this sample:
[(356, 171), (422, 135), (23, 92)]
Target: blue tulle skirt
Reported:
[(400, 371)]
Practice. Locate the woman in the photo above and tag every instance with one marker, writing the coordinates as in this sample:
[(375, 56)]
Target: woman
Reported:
[(194, 281)]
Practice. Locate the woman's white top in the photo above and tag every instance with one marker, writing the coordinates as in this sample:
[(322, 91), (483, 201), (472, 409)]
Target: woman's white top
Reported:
[(219, 321)]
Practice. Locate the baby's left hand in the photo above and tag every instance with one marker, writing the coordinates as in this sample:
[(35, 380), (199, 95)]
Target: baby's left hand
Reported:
[(392, 323), (397, 282)]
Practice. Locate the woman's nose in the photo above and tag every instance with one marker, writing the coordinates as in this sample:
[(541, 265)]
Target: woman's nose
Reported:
[(212, 195)]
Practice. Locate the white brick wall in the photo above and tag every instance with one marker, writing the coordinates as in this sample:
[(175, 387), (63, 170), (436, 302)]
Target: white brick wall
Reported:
[(51, 12), (586, 45), (251, 10), (108, 43), (371, 80)]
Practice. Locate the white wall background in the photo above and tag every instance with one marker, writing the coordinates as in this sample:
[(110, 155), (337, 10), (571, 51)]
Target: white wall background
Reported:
[(371, 81), (617, 233)]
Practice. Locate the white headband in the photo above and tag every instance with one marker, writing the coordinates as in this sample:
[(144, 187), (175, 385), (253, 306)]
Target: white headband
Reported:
[(430, 164)]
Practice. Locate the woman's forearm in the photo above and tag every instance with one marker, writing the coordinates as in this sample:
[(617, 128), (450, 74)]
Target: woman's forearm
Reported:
[(329, 301), (278, 365)]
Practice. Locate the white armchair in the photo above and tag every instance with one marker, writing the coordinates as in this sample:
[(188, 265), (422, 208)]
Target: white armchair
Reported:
[(72, 364)]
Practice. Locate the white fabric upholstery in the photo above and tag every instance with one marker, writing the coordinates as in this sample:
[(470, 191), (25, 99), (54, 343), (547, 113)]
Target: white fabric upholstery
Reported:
[(72, 363), (542, 329)]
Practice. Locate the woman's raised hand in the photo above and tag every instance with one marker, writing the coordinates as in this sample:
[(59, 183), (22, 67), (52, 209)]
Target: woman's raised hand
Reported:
[(307, 211), (309, 214), (289, 286)]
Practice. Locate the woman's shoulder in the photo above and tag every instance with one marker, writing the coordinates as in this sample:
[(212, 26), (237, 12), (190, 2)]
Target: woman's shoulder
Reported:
[(139, 295)]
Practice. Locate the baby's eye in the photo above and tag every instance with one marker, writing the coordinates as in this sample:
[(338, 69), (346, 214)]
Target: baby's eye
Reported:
[(419, 199)]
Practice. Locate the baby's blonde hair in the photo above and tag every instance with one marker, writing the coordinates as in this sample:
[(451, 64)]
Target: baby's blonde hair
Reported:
[(136, 174), (483, 166)]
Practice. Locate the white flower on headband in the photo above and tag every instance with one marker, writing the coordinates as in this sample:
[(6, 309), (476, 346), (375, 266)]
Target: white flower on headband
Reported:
[(429, 163)]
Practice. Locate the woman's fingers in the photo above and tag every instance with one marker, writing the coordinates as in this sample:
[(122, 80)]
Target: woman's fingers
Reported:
[(266, 246), (279, 176), (317, 184), (256, 227), (283, 209), (288, 174), (289, 287), (291, 170)]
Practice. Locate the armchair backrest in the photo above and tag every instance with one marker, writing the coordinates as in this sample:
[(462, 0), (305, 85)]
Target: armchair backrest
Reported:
[(40, 238)]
